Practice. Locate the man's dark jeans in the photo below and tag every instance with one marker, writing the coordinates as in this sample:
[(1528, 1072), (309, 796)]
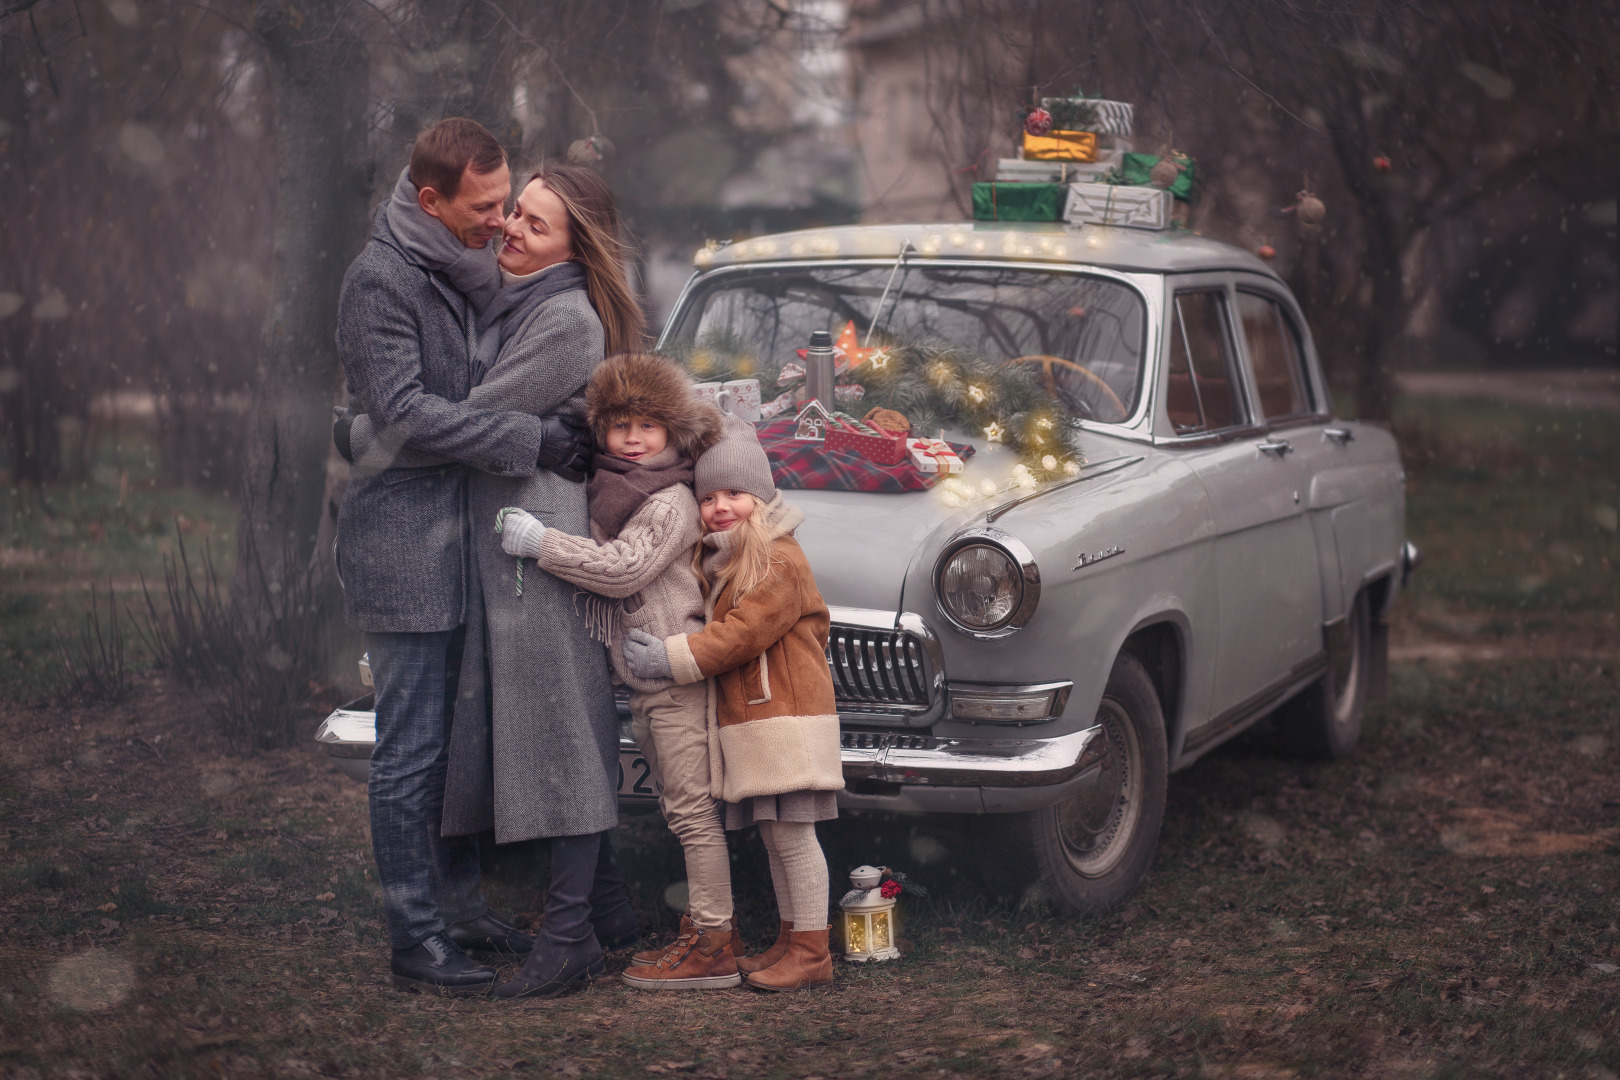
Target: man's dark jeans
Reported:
[(428, 881)]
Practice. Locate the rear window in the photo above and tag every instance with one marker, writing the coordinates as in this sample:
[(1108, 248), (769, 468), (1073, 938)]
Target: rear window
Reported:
[(1083, 334)]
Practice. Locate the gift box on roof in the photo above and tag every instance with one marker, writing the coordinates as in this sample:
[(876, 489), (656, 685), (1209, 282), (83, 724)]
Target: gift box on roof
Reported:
[(933, 456), (1114, 204), (1137, 170), (870, 442), (1093, 114), (1061, 146), (1018, 201), (1019, 171)]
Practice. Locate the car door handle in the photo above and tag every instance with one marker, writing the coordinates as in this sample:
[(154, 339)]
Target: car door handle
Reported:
[(1275, 447), (1339, 435)]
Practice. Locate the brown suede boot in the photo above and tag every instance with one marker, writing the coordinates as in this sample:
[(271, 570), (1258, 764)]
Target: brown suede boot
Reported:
[(750, 964), (652, 956), (697, 961), (807, 963)]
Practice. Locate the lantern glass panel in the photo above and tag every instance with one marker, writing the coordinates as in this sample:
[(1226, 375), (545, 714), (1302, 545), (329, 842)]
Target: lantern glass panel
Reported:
[(855, 933), (880, 930)]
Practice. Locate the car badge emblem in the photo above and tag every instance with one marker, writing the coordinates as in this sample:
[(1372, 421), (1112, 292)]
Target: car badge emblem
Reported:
[(1084, 560)]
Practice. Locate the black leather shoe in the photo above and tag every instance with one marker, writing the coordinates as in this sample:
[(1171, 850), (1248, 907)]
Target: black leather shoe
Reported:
[(621, 934), (489, 934), (439, 967), (549, 973)]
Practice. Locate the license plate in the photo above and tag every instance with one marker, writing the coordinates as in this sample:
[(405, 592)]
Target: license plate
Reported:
[(635, 776)]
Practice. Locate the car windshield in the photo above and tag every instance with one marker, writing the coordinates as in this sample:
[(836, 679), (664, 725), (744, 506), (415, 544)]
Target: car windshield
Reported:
[(1084, 334)]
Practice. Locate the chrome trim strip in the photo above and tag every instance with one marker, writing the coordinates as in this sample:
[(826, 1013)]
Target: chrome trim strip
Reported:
[(1257, 705), (1087, 472), (1022, 557), (929, 669), (871, 618)]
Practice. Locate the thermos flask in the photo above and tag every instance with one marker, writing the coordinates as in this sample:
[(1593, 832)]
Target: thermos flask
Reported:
[(820, 375)]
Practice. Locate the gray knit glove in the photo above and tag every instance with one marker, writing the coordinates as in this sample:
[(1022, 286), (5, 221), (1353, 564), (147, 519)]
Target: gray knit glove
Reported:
[(520, 532), (647, 656)]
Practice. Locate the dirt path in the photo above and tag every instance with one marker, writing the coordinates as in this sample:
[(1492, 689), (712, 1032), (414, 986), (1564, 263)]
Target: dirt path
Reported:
[(1579, 389)]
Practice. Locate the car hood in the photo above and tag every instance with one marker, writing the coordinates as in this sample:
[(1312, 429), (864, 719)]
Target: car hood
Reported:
[(861, 544)]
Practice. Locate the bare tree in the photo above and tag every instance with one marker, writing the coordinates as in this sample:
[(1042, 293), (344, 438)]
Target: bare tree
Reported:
[(1403, 117)]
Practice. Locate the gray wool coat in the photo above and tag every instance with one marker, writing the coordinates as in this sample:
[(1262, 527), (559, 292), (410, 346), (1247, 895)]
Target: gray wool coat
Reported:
[(534, 747), (405, 338)]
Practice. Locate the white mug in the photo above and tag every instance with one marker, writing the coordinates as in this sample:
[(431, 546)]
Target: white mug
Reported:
[(744, 400), (706, 391)]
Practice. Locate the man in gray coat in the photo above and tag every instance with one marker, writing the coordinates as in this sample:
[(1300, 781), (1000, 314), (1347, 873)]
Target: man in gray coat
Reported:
[(407, 336)]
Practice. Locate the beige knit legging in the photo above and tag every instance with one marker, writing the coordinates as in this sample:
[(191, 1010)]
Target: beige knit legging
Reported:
[(798, 871)]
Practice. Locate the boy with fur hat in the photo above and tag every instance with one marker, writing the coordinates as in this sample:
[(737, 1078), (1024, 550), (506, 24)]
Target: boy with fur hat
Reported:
[(637, 563), (774, 725)]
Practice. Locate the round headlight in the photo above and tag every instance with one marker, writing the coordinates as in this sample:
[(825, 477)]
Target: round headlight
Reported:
[(980, 587)]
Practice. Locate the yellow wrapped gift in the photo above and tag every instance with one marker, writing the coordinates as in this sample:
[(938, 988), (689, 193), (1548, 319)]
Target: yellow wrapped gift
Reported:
[(1061, 146)]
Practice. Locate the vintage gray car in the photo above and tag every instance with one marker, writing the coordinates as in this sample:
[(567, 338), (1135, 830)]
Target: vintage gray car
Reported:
[(1052, 650)]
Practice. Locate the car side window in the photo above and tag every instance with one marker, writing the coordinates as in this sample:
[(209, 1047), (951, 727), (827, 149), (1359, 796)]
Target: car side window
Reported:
[(1275, 353), (1203, 390)]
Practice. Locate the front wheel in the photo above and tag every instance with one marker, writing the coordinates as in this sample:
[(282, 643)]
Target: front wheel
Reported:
[(1093, 848)]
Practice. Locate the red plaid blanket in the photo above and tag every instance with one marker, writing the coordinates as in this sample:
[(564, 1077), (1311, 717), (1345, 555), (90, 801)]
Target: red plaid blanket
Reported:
[(810, 465)]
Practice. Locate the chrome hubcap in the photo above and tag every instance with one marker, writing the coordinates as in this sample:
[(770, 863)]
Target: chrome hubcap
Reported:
[(1098, 821)]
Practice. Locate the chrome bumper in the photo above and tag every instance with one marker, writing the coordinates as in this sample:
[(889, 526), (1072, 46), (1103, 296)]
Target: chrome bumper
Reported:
[(882, 770)]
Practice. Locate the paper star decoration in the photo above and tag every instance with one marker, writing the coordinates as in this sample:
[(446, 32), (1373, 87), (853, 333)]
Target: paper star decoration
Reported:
[(994, 432)]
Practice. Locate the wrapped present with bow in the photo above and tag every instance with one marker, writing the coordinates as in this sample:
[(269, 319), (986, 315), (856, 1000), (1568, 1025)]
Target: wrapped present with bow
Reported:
[(934, 456)]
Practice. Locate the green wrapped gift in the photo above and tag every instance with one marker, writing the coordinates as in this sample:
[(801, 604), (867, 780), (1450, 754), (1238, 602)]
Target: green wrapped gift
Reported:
[(1137, 170), (1019, 201)]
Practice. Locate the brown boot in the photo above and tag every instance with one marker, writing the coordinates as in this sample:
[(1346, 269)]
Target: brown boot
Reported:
[(697, 961), (807, 963), (652, 956), (750, 964)]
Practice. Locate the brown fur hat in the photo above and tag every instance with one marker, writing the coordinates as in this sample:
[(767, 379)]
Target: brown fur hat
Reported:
[(653, 386)]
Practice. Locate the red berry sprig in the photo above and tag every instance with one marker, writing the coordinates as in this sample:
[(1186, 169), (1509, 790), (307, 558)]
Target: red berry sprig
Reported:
[(890, 890)]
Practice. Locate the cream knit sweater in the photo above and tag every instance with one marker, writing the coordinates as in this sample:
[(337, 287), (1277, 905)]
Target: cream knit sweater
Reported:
[(648, 567)]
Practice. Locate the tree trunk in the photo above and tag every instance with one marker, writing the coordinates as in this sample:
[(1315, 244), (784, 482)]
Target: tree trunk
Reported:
[(318, 75)]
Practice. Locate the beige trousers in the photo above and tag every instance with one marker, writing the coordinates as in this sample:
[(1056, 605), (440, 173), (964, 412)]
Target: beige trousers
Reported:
[(671, 727)]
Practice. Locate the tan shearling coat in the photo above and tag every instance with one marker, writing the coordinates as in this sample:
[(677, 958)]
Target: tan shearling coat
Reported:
[(773, 720)]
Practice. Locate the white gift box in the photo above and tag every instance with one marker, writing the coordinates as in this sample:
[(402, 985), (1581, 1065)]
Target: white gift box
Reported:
[(1113, 117), (1017, 170), (933, 456), (1117, 204)]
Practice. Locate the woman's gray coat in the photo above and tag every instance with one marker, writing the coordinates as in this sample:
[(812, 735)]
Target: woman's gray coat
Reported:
[(534, 743)]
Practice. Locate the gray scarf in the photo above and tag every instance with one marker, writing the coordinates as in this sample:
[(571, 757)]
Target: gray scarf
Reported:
[(514, 304), (424, 238)]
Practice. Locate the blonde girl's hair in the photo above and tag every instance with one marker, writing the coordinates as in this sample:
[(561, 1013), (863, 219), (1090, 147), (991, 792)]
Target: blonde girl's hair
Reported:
[(750, 561), (599, 245)]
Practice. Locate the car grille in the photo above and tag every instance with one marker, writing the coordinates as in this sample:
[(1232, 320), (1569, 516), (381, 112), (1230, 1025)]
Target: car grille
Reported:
[(877, 668)]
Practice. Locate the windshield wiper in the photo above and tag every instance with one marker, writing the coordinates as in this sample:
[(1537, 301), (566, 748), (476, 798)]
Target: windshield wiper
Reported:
[(899, 261)]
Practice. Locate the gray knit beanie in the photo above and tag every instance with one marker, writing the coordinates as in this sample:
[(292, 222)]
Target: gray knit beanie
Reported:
[(735, 463)]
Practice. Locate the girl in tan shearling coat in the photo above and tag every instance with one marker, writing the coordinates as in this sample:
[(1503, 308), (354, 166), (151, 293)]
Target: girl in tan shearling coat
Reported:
[(774, 723)]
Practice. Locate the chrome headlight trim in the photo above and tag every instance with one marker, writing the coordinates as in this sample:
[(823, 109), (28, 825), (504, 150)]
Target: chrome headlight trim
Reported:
[(1022, 559)]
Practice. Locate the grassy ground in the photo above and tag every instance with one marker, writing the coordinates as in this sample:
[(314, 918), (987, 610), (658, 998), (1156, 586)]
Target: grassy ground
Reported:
[(1441, 904), (59, 542)]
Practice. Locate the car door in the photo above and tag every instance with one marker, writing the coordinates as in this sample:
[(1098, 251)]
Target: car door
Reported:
[(1295, 413), (1268, 588)]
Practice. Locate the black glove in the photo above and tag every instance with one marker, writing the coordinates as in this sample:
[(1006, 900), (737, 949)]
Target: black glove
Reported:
[(342, 424), (566, 447)]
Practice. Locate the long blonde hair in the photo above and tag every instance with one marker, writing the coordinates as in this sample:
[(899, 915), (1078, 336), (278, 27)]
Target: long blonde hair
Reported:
[(751, 558), (598, 242)]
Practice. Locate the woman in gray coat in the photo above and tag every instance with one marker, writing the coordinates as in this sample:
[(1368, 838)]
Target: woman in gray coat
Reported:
[(534, 743)]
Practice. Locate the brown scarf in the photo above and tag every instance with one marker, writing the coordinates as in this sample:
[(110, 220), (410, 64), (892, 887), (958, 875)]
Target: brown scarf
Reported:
[(619, 485)]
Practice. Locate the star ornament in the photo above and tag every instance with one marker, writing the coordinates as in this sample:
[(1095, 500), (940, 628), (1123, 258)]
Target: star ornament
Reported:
[(994, 432), (978, 394)]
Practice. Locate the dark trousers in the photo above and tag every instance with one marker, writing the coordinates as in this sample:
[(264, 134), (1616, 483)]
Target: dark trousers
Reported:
[(428, 880)]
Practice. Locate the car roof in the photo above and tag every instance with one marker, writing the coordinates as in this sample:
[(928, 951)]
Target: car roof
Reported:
[(1116, 247)]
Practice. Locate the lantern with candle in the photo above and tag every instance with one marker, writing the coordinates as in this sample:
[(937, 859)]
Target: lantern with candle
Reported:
[(867, 911)]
